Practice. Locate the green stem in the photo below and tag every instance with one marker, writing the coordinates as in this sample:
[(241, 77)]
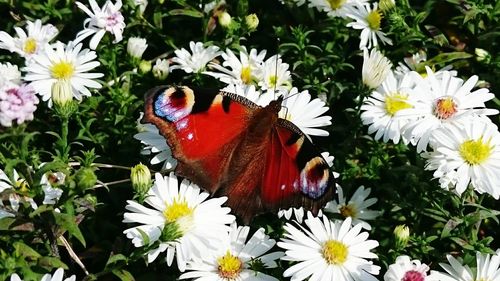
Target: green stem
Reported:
[(64, 147)]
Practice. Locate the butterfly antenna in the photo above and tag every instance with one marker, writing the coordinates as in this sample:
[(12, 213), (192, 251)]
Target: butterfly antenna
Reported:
[(275, 78)]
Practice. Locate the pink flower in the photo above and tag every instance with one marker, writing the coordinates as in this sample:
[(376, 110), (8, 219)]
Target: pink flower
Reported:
[(17, 103)]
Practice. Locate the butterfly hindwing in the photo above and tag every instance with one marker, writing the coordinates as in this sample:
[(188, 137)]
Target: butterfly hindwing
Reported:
[(296, 174)]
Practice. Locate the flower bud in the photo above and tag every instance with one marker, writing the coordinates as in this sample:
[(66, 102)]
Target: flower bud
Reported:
[(402, 235), (386, 5), (160, 69), (136, 47), (144, 66), (225, 19), (85, 178), (252, 21), (141, 178), (62, 94), (482, 55)]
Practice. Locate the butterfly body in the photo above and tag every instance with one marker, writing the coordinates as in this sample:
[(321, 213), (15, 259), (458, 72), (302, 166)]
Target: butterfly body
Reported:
[(231, 146)]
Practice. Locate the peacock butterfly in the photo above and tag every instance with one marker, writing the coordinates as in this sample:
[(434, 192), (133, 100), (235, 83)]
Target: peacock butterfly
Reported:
[(230, 146)]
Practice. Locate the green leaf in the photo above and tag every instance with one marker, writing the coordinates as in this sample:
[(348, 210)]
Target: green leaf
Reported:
[(445, 58), (116, 258), (25, 250), (68, 222), (449, 226), (51, 262), (186, 12), (123, 275)]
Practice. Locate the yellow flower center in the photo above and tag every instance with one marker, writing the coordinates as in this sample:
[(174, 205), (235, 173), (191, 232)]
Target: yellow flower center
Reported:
[(22, 185), (348, 211), (62, 70), (445, 108), (246, 74), (335, 252), (30, 46), (336, 4), (229, 266), (374, 18), (475, 152), (396, 102), (177, 210), (273, 79)]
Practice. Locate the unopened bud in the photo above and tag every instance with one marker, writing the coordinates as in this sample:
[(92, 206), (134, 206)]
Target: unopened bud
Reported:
[(62, 94), (402, 235), (225, 19), (85, 178), (144, 66), (141, 179), (482, 55), (386, 5), (136, 47), (160, 69), (252, 21)]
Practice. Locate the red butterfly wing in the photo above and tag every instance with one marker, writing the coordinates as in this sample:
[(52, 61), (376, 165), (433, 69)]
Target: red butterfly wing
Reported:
[(296, 174), (202, 128)]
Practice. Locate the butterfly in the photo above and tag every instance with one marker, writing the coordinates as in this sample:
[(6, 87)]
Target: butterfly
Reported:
[(231, 146)]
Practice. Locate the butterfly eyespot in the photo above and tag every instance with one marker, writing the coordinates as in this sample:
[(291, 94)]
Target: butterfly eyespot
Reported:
[(174, 103), (314, 177)]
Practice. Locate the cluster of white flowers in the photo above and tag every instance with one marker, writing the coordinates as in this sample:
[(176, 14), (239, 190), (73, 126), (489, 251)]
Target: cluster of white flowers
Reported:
[(208, 245), (199, 232), (45, 64), (487, 268), (436, 110)]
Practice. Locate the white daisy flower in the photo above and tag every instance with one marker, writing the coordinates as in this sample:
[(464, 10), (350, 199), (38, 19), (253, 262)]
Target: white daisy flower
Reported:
[(60, 62), (58, 276), (243, 71), (408, 270), (33, 42), (182, 222), (471, 151), (136, 47), (488, 268), (305, 113), (9, 74), (49, 182), (381, 107), (442, 100), (335, 8), (368, 20), (356, 208), (108, 19), (197, 60), (234, 258), (375, 69), (275, 75), (14, 199), (329, 251), (154, 143)]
